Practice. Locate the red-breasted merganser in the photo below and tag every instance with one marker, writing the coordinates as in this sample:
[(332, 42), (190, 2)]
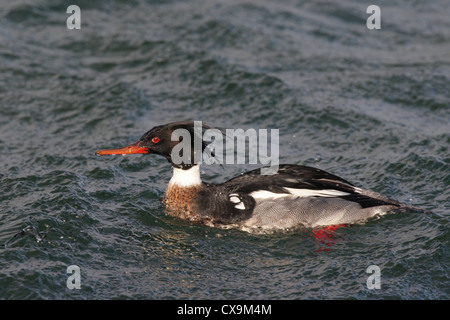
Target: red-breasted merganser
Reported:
[(294, 197)]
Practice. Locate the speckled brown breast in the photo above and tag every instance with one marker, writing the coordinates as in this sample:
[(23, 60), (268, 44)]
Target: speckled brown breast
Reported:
[(181, 202)]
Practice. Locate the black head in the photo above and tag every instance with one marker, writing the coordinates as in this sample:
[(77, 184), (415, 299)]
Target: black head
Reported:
[(180, 143)]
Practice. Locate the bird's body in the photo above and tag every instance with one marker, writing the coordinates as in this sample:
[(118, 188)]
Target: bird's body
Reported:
[(294, 197)]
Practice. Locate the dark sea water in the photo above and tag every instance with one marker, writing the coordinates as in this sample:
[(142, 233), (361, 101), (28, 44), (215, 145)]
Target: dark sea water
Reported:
[(372, 106)]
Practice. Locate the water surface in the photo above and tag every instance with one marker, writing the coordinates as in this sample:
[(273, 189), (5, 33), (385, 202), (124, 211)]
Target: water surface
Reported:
[(372, 106)]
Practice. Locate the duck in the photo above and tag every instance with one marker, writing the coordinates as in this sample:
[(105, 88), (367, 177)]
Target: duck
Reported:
[(295, 196)]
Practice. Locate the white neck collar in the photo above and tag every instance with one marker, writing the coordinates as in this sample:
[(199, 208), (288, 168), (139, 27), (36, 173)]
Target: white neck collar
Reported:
[(186, 178)]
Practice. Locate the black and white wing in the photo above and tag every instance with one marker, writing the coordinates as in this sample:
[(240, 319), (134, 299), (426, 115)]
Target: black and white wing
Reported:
[(294, 195), (303, 181)]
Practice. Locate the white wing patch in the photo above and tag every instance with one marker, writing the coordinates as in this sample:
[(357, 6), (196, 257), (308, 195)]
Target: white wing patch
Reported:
[(292, 192), (264, 194), (316, 193), (240, 206), (236, 199)]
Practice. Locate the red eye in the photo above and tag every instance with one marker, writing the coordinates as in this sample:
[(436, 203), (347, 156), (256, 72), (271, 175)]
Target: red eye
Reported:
[(155, 140)]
